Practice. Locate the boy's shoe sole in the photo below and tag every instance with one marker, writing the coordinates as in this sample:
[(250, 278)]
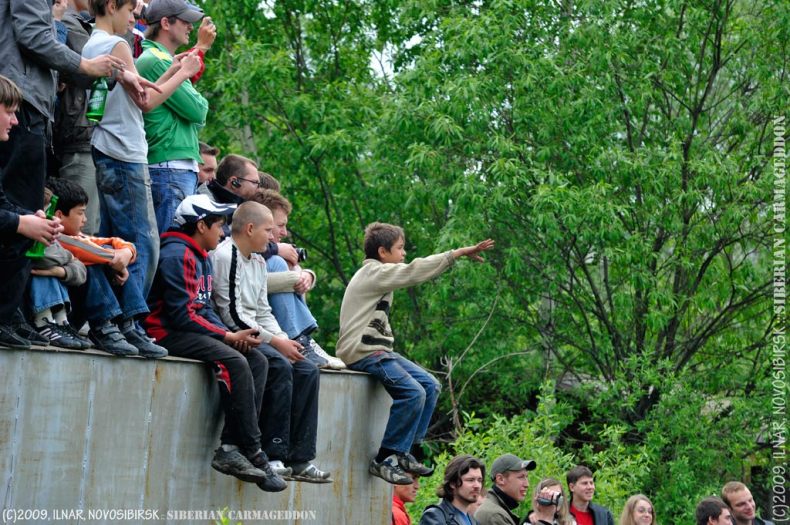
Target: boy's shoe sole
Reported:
[(390, 471), (311, 474), (234, 464)]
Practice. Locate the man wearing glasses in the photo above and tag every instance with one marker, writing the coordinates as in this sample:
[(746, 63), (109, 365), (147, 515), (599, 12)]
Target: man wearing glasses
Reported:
[(172, 128)]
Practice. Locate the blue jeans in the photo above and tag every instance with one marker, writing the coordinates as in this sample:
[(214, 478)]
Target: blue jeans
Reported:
[(46, 292), (289, 308), (127, 211), (169, 187), (98, 300), (414, 393)]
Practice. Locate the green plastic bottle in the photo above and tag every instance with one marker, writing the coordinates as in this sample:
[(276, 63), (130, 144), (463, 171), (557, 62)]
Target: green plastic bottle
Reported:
[(98, 99), (37, 251)]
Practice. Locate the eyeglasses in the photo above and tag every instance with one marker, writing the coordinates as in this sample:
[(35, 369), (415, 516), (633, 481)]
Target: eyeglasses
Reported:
[(256, 182)]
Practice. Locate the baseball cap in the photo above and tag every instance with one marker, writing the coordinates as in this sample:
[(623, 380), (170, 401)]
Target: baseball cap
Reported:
[(508, 463), (159, 9), (198, 207)]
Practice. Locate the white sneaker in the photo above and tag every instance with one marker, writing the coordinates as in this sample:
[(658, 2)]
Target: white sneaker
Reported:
[(332, 362), (279, 469)]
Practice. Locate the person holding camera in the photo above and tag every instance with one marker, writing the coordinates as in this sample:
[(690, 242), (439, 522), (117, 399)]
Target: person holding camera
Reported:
[(288, 284), (549, 506), (509, 474)]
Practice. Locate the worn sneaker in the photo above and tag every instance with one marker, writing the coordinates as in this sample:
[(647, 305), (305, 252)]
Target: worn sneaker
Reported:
[(332, 362), (233, 463), (109, 338), (10, 339), (311, 474), (76, 335), (273, 482), (24, 330), (410, 464), (308, 350), (279, 468), (57, 335), (145, 346), (390, 471)]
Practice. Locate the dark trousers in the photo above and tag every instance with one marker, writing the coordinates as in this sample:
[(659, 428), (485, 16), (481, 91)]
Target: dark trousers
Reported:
[(289, 418), (99, 300), (241, 379), (23, 161)]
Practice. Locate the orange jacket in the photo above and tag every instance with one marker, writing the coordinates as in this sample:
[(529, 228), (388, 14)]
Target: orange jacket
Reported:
[(95, 250)]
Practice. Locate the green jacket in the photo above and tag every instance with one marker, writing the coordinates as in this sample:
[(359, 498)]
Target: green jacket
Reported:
[(172, 128)]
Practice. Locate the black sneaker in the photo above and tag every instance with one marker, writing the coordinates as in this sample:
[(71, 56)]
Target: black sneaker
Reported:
[(57, 335), (233, 463), (26, 331), (273, 481), (390, 471), (109, 338), (145, 346), (308, 351), (76, 335), (10, 339), (410, 464)]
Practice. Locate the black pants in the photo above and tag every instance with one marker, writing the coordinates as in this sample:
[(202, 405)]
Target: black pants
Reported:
[(289, 418), (241, 379)]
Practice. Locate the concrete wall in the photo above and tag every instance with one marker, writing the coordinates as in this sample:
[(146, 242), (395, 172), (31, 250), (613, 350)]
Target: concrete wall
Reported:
[(87, 432)]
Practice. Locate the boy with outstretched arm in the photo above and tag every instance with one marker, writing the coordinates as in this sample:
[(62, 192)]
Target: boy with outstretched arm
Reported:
[(183, 321), (365, 343)]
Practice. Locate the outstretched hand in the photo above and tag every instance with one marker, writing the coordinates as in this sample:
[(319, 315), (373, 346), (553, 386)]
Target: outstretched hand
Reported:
[(473, 251)]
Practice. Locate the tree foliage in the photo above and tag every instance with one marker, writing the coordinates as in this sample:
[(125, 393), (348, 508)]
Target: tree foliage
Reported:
[(617, 150)]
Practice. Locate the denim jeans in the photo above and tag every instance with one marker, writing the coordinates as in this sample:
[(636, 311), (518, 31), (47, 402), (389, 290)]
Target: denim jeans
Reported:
[(127, 211), (289, 308), (98, 300), (414, 393), (169, 187), (46, 292)]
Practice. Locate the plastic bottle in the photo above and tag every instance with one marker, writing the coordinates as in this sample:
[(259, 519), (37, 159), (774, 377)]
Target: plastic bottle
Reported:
[(98, 99)]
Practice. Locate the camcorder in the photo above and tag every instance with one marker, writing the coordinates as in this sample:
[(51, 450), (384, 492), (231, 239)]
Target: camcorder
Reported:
[(301, 254), (555, 499)]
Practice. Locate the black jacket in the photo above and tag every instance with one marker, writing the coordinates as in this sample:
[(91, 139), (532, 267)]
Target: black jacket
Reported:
[(442, 514)]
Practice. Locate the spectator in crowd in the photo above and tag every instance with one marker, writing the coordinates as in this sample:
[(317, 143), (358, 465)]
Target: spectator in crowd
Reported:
[(402, 494), (17, 227), (712, 511), (236, 182), (29, 59), (288, 286), (463, 482), (172, 128), (582, 489), (208, 168), (366, 344), (638, 510), (509, 474), (120, 151), (739, 499), (183, 321), (71, 133), (109, 299), (549, 506), (48, 294), (289, 418), (268, 182)]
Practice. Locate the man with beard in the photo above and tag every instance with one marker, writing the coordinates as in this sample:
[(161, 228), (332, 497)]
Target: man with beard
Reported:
[(463, 481)]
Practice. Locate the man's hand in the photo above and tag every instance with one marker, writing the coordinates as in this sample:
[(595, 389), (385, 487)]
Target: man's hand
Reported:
[(304, 284), (190, 64), (288, 348), (39, 228), (58, 272), (243, 340), (473, 251), (101, 66), (121, 259), (206, 34), (288, 252), (137, 87)]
